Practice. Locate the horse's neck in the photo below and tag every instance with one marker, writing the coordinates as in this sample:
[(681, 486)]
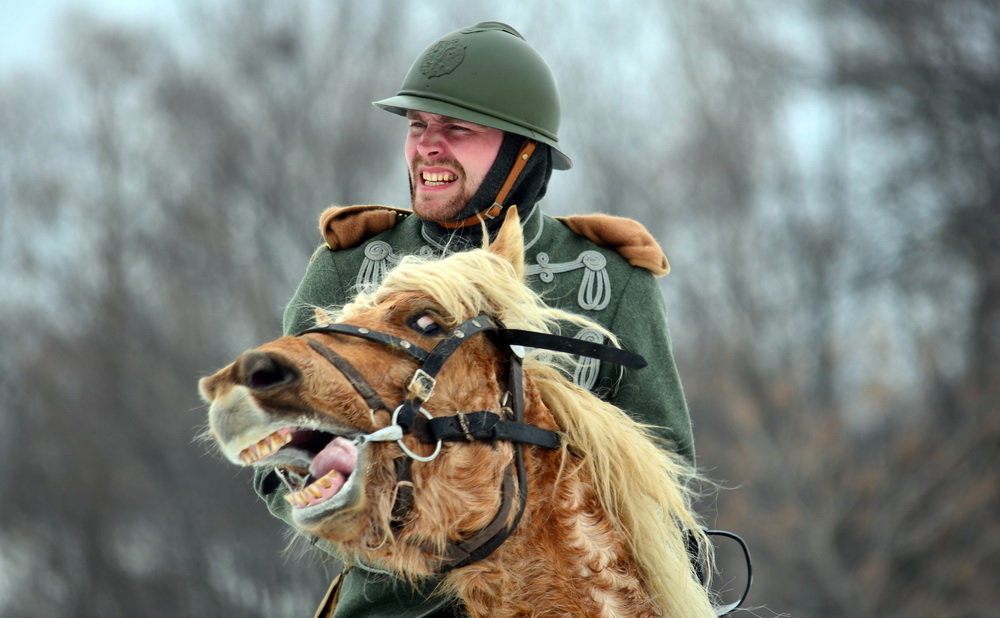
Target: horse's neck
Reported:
[(566, 554)]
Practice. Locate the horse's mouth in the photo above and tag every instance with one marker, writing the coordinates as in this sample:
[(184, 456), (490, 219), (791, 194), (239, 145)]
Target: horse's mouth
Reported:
[(316, 466)]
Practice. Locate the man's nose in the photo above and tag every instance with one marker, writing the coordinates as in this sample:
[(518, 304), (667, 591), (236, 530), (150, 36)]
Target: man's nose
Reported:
[(430, 143)]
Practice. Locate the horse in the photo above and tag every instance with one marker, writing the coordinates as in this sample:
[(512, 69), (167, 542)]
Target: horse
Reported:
[(428, 429)]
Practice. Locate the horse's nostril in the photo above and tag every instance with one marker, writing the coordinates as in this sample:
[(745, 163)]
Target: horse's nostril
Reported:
[(265, 377), (261, 371)]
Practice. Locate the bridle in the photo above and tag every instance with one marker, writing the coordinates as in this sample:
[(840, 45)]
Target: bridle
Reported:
[(483, 426)]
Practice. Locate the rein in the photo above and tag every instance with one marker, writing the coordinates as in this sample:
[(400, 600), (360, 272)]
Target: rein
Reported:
[(483, 426)]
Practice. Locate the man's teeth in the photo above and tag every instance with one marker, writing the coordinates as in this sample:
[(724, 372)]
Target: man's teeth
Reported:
[(266, 446), (438, 178)]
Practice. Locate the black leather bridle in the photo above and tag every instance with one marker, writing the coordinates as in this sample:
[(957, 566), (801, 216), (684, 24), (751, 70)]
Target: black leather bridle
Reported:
[(486, 426)]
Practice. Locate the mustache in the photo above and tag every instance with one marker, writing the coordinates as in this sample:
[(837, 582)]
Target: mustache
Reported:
[(419, 161)]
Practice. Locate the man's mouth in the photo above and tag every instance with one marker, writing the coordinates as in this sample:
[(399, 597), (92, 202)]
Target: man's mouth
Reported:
[(437, 179)]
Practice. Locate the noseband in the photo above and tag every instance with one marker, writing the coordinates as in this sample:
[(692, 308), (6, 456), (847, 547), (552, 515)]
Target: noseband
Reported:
[(483, 426)]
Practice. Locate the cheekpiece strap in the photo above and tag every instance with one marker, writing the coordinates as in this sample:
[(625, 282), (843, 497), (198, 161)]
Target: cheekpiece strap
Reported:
[(458, 335), (484, 542)]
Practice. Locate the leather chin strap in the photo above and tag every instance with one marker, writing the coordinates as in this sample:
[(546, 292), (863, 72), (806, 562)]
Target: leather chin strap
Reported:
[(480, 426), (494, 210)]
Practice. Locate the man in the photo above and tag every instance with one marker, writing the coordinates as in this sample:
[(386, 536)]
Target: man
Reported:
[(483, 115)]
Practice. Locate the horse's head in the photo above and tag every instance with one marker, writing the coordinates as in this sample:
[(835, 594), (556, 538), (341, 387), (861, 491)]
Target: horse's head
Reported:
[(311, 405)]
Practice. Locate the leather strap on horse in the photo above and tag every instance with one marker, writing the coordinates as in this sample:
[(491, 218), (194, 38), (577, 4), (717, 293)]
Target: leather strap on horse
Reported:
[(476, 426), (487, 545), (396, 343), (353, 376), (472, 549), (494, 210), (728, 608), (484, 426), (570, 345), (402, 502)]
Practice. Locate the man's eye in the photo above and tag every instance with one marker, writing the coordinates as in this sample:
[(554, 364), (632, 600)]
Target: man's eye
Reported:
[(425, 324)]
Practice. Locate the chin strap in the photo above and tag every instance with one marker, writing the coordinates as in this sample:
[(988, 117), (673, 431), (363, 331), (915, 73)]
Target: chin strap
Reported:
[(494, 210)]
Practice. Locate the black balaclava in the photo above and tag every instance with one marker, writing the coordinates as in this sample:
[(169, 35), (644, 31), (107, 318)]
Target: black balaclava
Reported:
[(528, 189)]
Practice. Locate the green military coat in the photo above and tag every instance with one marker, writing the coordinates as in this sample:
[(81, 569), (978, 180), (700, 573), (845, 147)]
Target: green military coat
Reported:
[(571, 272)]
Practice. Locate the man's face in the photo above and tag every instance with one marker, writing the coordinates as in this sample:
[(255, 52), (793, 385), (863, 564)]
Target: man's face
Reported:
[(448, 160)]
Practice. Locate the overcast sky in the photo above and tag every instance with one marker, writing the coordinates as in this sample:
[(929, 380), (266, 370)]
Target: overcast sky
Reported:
[(27, 31)]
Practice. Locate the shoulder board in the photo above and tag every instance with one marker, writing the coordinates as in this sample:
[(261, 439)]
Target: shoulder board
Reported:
[(344, 227), (627, 237)]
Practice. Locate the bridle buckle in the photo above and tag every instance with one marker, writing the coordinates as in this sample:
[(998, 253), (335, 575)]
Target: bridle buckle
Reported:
[(421, 384)]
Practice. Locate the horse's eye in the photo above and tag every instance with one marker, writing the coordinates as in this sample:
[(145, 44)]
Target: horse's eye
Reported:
[(425, 324)]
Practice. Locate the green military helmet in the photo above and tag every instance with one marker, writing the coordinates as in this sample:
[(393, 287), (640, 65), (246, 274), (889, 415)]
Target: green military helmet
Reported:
[(489, 75)]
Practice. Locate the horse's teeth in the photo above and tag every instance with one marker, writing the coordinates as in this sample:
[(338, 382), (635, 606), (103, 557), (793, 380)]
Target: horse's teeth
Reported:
[(297, 499), (314, 491), (265, 446)]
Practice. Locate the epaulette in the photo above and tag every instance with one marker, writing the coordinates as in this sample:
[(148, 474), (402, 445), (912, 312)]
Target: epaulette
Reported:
[(627, 237), (344, 227)]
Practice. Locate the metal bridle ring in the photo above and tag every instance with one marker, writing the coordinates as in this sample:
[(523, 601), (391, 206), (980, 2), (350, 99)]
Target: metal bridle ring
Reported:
[(406, 449)]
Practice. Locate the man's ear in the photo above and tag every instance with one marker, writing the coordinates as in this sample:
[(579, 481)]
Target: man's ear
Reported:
[(509, 243)]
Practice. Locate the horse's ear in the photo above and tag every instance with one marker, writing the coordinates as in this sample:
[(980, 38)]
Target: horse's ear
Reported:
[(509, 242), (322, 316)]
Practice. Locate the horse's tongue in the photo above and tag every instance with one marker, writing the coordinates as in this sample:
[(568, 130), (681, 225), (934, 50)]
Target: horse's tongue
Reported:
[(340, 455)]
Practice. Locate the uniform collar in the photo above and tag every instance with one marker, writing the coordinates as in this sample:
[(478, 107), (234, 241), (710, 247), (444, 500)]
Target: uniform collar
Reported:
[(450, 241)]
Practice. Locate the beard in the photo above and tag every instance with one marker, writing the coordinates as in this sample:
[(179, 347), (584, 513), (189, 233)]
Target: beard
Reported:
[(439, 208)]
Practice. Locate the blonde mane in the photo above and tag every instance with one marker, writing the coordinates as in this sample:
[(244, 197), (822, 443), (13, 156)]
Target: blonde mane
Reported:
[(643, 487)]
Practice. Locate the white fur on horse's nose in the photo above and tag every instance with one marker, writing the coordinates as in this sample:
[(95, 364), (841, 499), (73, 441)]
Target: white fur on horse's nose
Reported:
[(236, 420)]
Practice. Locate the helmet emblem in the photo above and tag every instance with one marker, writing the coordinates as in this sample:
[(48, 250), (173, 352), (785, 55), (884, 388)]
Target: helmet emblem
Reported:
[(443, 58)]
